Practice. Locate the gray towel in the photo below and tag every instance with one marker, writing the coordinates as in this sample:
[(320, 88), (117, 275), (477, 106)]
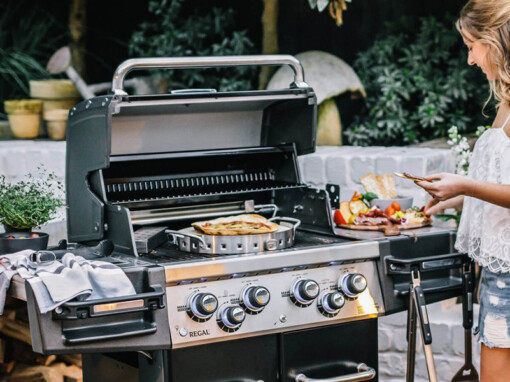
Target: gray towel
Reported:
[(72, 278)]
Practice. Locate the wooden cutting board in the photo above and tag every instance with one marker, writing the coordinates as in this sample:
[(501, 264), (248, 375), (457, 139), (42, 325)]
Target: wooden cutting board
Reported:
[(382, 227)]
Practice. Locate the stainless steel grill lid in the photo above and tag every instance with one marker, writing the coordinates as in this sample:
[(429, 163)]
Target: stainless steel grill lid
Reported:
[(191, 240)]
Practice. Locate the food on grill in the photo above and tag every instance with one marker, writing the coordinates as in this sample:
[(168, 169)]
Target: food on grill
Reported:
[(236, 225)]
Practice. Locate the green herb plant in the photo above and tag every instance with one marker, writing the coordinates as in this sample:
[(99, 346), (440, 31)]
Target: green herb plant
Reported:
[(31, 202), (178, 31), (418, 85)]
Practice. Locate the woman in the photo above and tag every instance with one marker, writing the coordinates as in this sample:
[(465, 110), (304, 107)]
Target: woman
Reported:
[(484, 195)]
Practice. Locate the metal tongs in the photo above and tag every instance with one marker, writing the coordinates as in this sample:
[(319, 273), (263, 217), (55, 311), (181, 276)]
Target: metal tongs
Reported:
[(467, 372), (417, 314)]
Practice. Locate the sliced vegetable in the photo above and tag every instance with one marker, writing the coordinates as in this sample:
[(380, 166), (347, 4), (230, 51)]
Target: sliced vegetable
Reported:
[(356, 196)]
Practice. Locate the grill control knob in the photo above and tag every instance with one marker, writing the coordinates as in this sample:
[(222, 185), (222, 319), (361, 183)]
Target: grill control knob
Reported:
[(232, 316), (255, 298), (203, 305), (305, 291), (353, 284), (332, 302)]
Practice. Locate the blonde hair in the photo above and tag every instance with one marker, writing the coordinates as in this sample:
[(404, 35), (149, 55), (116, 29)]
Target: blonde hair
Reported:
[(488, 21)]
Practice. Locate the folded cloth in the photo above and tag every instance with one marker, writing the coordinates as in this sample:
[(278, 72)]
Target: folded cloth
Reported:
[(55, 283), (16, 263)]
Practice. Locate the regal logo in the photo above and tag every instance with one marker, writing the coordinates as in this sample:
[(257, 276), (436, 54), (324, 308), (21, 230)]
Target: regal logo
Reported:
[(199, 333)]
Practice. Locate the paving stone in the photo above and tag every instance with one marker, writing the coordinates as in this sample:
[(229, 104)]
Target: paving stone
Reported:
[(385, 339), (441, 338)]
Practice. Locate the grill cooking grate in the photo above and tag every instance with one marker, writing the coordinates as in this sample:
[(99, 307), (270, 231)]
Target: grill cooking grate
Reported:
[(169, 188)]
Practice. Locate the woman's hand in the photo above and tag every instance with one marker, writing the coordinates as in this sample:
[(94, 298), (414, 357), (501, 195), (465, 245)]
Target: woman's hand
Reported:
[(434, 206), (446, 186)]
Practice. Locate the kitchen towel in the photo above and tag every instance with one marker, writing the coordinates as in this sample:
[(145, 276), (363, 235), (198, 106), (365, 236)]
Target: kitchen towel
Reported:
[(57, 282)]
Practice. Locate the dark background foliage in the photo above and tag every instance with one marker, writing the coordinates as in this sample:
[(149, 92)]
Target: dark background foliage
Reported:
[(111, 24)]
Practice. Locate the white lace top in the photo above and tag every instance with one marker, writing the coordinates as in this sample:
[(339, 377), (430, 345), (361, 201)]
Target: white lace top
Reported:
[(484, 229)]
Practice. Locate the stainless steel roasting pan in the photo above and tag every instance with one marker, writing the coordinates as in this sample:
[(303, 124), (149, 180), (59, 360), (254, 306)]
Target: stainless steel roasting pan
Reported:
[(190, 240)]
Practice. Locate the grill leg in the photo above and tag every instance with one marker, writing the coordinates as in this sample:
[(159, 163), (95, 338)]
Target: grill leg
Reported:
[(152, 366)]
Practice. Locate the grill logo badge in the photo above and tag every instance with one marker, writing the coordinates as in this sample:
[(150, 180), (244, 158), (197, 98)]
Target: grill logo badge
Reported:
[(199, 333)]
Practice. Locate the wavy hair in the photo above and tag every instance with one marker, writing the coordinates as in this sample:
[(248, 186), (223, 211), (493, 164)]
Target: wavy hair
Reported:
[(488, 21)]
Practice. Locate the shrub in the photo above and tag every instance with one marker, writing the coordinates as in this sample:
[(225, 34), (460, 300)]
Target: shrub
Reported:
[(418, 85), (28, 37), (171, 33)]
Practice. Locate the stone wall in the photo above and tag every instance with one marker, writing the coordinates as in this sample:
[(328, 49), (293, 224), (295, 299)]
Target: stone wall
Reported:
[(343, 166)]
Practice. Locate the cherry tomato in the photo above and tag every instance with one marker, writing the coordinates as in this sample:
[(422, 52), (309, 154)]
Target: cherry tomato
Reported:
[(396, 206), (34, 235), (389, 211), (10, 237)]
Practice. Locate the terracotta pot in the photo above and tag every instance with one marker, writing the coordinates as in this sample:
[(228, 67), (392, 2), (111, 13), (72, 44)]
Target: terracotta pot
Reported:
[(24, 117), (56, 94), (56, 122), (53, 89)]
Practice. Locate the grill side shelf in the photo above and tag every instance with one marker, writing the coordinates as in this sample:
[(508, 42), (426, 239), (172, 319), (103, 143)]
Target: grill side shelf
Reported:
[(126, 323)]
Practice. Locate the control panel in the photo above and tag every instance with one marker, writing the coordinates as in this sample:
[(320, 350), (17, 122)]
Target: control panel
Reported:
[(241, 306)]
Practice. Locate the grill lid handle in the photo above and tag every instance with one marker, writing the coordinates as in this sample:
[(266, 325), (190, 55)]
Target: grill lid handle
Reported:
[(205, 62)]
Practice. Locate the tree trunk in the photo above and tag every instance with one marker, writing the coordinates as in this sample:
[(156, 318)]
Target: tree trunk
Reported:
[(269, 38), (77, 27)]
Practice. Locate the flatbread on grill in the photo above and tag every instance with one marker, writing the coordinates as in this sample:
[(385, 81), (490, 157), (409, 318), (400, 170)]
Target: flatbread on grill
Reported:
[(236, 225)]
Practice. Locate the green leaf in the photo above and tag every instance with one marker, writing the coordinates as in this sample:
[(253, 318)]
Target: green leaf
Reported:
[(369, 196)]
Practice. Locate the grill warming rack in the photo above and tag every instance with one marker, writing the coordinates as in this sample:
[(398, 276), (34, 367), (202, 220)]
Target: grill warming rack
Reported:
[(170, 187)]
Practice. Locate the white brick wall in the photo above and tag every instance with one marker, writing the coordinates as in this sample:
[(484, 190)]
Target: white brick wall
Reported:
[(339, 165), (344, 165)]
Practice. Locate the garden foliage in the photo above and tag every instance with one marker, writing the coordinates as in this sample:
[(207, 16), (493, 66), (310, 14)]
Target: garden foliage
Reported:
[(28, 37), (175, 31), (418, 85)]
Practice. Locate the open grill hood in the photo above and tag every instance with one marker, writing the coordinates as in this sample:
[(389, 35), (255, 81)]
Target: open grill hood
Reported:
[(130, 154)]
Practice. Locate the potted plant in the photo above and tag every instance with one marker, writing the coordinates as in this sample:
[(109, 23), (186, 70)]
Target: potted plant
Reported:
[(24, 117), (25, 205)]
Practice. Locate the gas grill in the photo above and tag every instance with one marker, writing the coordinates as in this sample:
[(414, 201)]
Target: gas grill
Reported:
[(298, 304)]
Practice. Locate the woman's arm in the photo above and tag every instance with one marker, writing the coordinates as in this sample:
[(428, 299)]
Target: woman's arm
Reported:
[(448, 186)]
